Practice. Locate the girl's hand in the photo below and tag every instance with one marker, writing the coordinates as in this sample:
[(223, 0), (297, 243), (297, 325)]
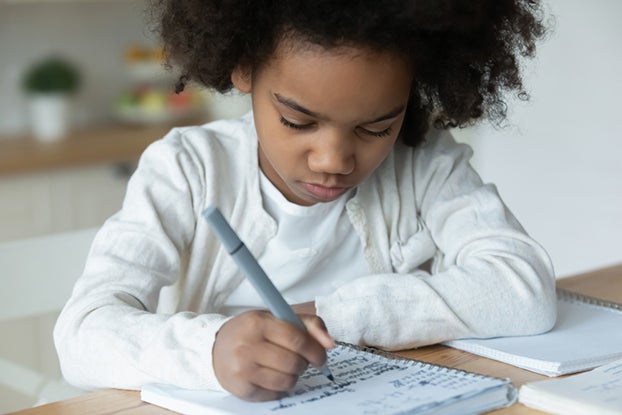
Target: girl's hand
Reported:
[(257, 357), (305, 308)]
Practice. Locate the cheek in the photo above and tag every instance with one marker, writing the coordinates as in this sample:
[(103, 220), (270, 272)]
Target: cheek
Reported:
[(291, 157), (281, 152)]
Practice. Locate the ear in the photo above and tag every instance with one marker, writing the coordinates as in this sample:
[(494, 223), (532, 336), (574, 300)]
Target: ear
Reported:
[(241, 79)]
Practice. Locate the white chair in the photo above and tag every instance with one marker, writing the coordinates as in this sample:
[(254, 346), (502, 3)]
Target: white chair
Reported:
[(37, 276)]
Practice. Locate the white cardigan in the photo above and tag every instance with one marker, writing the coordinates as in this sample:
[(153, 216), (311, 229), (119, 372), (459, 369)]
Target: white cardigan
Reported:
[(423, 208)]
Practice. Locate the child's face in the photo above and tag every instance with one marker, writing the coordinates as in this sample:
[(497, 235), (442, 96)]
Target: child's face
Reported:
[(325, 119)]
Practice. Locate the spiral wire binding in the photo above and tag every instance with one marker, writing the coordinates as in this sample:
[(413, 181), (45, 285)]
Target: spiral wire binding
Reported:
[(574, 296)]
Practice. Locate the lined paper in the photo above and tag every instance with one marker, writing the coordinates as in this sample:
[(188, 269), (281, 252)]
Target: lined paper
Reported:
[(366, 383)]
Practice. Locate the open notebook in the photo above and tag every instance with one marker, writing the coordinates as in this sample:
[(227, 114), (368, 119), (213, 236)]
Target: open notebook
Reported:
[(588, 334), (366, 382), (598, 391)]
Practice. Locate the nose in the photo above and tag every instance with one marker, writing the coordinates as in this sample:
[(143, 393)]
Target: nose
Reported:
[(332, 153)]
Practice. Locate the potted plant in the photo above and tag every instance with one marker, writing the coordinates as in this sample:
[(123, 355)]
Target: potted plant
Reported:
[(49, 84)]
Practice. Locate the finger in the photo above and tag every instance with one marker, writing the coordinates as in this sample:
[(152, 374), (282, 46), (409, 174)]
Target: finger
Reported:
[(305, 308), (290, 337), (272, 380), (317, 329), (283, 360), (251, 392), (252, 381)]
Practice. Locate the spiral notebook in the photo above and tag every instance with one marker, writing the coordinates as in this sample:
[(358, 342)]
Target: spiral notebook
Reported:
[(367, 381), (587, 334), (598, 391)]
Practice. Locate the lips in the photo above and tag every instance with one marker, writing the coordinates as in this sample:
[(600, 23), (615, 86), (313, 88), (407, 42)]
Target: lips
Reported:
[(324, 193)]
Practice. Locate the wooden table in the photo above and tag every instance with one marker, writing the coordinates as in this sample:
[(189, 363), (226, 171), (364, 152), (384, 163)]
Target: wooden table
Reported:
[(605, 284)]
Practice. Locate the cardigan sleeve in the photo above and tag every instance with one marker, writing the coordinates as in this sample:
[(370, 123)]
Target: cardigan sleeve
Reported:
[(488, 278), (109, 333)]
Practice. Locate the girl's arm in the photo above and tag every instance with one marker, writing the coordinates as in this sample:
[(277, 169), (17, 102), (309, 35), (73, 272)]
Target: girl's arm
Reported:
[(109, 334), (488, 278)]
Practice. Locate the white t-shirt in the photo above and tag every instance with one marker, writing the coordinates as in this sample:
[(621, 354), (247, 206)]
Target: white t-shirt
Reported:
[(314, 251)]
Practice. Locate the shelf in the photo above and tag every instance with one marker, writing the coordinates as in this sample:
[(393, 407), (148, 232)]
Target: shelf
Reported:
[(105, 145), (18, 2)]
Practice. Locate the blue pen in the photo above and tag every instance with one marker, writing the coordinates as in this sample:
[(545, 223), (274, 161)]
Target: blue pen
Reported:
[(255, 274)]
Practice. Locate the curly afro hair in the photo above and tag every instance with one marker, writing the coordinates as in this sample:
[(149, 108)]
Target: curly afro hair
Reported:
[(465, 54)]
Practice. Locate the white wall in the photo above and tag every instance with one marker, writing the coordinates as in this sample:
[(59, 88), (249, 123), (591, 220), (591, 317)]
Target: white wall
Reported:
[(558, 165), (92, 34)]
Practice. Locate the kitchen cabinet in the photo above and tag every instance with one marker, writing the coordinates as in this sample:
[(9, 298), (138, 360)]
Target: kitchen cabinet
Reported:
[(45, 188), (57, 201), (71, 184)]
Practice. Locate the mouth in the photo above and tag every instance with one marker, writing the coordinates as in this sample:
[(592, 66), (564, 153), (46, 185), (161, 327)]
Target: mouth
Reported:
[(324, 193)]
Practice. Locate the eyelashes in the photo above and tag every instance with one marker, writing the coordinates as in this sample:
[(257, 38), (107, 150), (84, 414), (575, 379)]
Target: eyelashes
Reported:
[(295, 126), (300, 127), (382, 133)]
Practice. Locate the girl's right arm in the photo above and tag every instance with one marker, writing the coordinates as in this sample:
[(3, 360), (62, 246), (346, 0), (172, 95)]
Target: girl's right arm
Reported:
[(109, 334)]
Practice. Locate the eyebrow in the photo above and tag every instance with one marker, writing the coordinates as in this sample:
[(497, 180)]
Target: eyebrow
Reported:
[(295, 106), (288, 102)]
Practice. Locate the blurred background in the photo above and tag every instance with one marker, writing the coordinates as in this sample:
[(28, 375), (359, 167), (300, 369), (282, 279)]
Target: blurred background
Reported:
[(557, 164), (82, 93), (83, 90)]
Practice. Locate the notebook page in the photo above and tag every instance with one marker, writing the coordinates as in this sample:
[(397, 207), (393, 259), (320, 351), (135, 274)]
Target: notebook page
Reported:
[(585, 336), (595, 392), (366, 384)]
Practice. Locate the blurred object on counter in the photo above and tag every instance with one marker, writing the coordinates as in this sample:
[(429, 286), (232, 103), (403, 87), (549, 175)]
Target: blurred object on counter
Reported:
[(150, 98), (150, 104), (49, 85), (146, 64)]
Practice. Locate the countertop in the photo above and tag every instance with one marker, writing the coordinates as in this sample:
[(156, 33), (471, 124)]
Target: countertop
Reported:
[(111, 144)]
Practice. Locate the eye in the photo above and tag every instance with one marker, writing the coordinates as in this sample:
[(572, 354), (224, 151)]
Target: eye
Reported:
[(382, 133), (293, 125)]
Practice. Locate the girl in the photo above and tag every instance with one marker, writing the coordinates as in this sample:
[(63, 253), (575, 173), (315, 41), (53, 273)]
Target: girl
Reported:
[(342, 181)]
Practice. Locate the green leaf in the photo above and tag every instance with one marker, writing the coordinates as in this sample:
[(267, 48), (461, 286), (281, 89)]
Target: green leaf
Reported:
[(52, 75)]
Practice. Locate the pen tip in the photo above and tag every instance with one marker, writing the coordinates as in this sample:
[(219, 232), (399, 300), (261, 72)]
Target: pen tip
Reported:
[(331, 378)]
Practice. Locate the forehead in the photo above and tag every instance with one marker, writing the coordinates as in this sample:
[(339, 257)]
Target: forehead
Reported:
[(346, 79)]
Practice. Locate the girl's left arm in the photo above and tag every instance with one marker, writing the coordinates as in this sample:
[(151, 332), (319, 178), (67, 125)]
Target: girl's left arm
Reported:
[(489, 278)]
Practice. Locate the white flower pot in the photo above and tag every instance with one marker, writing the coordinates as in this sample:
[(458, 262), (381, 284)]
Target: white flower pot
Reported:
[(49, 116)]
